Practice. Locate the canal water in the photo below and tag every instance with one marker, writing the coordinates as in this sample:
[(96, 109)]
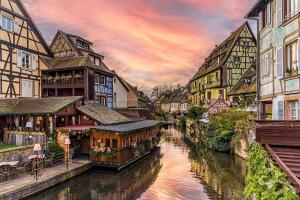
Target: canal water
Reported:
[(175, 170)]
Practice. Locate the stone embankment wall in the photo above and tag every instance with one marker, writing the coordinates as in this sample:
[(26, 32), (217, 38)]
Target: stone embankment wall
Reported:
[(24, 152)]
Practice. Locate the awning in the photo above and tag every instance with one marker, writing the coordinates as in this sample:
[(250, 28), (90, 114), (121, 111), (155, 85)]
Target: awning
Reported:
[(75, 128)]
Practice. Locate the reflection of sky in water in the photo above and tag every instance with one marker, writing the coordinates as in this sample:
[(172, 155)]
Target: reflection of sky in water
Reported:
[(175, 180), (173, 172)]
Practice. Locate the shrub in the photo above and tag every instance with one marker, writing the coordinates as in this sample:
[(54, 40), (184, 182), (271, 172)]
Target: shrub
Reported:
[(264, 179), (196, 112), (182, 122), (223, 127)]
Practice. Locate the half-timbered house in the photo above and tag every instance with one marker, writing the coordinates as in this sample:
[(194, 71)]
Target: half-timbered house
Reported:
[(225, 65), (21, 49), (77, 70)]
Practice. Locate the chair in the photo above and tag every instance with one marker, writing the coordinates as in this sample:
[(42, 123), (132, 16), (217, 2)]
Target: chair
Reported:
[(6, 172)]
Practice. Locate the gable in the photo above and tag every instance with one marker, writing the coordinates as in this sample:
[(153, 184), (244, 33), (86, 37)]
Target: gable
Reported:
[(60, 46), (24, 33)]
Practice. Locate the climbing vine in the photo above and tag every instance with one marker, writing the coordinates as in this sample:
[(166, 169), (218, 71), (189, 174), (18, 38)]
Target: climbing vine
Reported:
[(264, 179)]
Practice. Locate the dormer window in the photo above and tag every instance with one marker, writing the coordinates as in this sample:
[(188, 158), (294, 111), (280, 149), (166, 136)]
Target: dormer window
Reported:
[(82, 44)]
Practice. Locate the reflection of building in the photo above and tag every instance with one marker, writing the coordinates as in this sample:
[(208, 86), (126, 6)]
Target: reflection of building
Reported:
[(221, 172), (279, 69), (127, 185), (21, 49)]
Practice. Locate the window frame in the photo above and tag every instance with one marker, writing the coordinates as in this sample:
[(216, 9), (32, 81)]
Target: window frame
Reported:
[(4, 25), (295, 109)]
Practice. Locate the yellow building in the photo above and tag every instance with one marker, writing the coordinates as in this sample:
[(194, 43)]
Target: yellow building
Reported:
[(21, 49), (225, 65)]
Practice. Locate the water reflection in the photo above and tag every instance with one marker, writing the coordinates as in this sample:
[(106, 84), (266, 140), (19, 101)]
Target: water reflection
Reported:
[(175, 171), (104, 185)]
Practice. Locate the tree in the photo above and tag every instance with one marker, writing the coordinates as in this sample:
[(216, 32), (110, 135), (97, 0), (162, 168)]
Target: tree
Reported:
[(196, 112)]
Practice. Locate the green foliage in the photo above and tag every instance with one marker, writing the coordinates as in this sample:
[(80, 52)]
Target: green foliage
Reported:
[(264, 179), (162, 116), (182, 122), (223, 127), (196, 112), (54, 149)]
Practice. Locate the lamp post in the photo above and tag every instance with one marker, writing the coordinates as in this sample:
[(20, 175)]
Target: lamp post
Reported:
[(67, 154), (36, 149)]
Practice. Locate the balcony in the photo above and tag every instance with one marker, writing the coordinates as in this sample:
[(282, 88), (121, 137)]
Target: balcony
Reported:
[(62, 81)]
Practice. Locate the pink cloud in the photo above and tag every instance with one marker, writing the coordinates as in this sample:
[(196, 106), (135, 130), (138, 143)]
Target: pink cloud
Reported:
[(147, 42)]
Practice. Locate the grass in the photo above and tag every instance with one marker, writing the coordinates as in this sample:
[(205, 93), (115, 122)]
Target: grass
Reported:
[(4, 147)]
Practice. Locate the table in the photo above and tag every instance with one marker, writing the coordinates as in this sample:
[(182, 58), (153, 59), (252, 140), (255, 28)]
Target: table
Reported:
[(35, 156)]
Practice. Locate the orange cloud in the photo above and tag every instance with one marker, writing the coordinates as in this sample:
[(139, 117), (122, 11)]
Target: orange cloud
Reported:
[(147, 42)]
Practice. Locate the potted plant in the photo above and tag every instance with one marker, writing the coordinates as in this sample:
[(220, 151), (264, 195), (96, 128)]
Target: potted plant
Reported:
[(288, 72), (56, 79)]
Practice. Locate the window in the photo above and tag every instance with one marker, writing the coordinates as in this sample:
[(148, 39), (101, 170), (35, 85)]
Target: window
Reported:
[(7, 23), (97, 61), (102, 100), (266, 63), (99, 80), (237, 60), (293, 106), (107, 142), (291, 56), (114, 143), (290, 8), (266, 16), (26, 60), (208, 95)]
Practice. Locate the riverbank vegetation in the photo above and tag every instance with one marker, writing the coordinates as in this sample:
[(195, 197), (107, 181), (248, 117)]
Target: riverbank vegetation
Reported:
[(224, 128), (264, 179)]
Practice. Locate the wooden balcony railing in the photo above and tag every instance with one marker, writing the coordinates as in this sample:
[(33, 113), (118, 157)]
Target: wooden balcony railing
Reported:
[(72, 81)]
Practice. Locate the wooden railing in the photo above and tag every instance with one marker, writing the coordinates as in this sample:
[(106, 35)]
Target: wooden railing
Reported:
[(278, 132)]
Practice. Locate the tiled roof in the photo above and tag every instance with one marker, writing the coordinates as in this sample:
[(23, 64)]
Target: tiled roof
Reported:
[(128, 127), (219, 55), (68, 62), (102, 114), (35, 106), (241, 88)]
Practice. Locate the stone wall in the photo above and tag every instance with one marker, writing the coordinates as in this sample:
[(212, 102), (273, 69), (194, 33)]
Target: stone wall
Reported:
[(24, 152)]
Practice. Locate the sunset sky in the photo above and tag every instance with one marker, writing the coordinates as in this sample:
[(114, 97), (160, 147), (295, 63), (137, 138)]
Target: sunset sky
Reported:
[(148, 42)]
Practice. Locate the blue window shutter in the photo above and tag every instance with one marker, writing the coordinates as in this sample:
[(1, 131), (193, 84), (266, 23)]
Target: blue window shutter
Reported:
[(281, 110), (298, 110), (279, 12)]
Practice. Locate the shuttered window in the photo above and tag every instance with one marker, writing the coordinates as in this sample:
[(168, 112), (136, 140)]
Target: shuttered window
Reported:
[(293, 110), (266, 63), (26, 60)]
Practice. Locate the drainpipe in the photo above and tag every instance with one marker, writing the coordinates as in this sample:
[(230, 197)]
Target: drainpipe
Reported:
[(258, 103)]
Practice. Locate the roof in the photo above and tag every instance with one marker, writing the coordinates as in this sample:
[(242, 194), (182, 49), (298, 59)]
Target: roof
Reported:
[(240, 88), (256, 8), (34, 27), (220, 54), (135, 91), (35, 106), (75, 127), (128, 127), (68, 62), (212, 102), (102, 114)]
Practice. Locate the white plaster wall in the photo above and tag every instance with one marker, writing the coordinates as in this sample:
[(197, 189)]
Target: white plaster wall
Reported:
[(120, 101)]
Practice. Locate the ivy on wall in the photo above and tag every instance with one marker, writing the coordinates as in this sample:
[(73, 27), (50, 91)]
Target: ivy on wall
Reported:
[(264, 179)]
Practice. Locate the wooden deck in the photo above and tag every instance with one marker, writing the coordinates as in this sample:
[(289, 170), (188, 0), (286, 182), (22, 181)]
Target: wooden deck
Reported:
[(282, 141)]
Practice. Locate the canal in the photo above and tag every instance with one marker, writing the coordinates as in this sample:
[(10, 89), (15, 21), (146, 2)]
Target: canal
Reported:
[(175, 170)]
